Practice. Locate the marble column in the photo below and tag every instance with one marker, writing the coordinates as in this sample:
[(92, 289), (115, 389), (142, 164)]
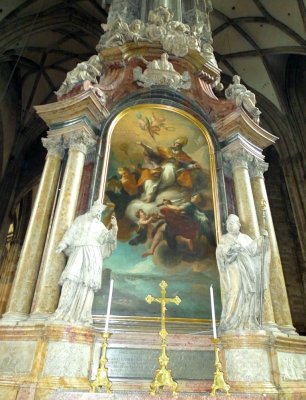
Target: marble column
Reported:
[(277, 283), (22, 292), (239, 160), (47, 290)]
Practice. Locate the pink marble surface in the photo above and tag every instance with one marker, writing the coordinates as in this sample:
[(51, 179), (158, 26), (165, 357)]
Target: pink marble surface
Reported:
[(146, 396), (26, 393)]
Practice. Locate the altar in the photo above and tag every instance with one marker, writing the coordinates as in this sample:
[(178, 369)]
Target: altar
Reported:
[(150, 180)]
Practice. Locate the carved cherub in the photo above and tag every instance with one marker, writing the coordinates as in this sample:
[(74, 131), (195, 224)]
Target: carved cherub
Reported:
[(115, 34), (137, 31), (160, 16)]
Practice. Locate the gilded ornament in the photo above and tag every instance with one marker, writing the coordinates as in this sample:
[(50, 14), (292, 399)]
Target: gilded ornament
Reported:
[(163, 376)]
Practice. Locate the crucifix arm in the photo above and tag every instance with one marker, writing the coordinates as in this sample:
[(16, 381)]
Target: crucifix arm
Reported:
[(150, 299)]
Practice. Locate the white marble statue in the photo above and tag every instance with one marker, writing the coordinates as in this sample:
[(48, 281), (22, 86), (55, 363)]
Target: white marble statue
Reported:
[(86, 243), (137, 31), (85, 71), (175, 37), (243, 265), (243, 97), (116, 34)]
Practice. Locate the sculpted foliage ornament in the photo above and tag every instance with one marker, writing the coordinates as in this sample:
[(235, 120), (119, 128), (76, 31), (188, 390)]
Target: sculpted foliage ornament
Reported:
[(161, 72)]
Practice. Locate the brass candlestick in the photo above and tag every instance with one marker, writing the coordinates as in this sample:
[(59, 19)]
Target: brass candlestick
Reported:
[(219, 382), (163, 376), (102, 373)]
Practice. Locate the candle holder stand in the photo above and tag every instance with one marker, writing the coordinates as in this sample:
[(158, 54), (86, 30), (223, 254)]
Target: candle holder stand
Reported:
[(102, 373), (163, 375), (219, 382)]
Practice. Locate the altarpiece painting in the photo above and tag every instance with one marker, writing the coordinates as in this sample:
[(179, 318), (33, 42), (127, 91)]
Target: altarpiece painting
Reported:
[(160, 179)]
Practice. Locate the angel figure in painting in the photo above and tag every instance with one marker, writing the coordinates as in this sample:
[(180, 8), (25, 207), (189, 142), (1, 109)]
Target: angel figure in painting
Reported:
[(86, 243), (193, 216), (239, 261)]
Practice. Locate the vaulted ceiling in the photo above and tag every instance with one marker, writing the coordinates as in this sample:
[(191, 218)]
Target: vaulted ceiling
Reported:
[(254, 38), (41, 40)]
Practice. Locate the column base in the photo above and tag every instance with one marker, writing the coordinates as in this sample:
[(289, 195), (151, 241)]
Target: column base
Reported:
[(60, 322), (271, 327), (255, 332), (36, 318), (13, 318), (288, 330)]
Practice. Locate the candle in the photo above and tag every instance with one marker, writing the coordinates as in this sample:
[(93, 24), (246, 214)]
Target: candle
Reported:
[(109, 305), (213, 316)]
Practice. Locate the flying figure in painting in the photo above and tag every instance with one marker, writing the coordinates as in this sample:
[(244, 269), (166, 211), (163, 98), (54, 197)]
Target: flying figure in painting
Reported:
[(185, 223), (148, 227), (196, 223), (152, 124)]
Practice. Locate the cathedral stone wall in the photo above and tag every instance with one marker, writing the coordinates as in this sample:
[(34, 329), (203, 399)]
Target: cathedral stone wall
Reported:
[(290, 250)]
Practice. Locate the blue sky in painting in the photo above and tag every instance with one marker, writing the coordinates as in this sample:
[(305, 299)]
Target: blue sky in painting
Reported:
[(135, 277)]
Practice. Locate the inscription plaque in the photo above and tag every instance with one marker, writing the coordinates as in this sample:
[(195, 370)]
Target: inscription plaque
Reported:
[(142, 363)]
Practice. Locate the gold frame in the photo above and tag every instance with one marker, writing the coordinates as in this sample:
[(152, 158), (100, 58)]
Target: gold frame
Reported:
[(152, 321)]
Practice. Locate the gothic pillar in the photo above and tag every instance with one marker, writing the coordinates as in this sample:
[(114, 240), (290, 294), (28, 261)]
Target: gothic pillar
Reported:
[(47, 291), (21, 295), (7, 275), (239, 160), (277, 283)]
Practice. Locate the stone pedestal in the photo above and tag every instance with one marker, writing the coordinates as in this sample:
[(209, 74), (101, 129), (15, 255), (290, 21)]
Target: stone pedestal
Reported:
[(56, 362), (143, 396)]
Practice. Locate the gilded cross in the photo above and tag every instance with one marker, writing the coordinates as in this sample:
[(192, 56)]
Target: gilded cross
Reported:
[(163, 376), (163, 300)]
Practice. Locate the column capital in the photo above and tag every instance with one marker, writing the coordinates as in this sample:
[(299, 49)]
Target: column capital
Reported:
[(238, 158), (257, 168), (54, 146), (80, 141)]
